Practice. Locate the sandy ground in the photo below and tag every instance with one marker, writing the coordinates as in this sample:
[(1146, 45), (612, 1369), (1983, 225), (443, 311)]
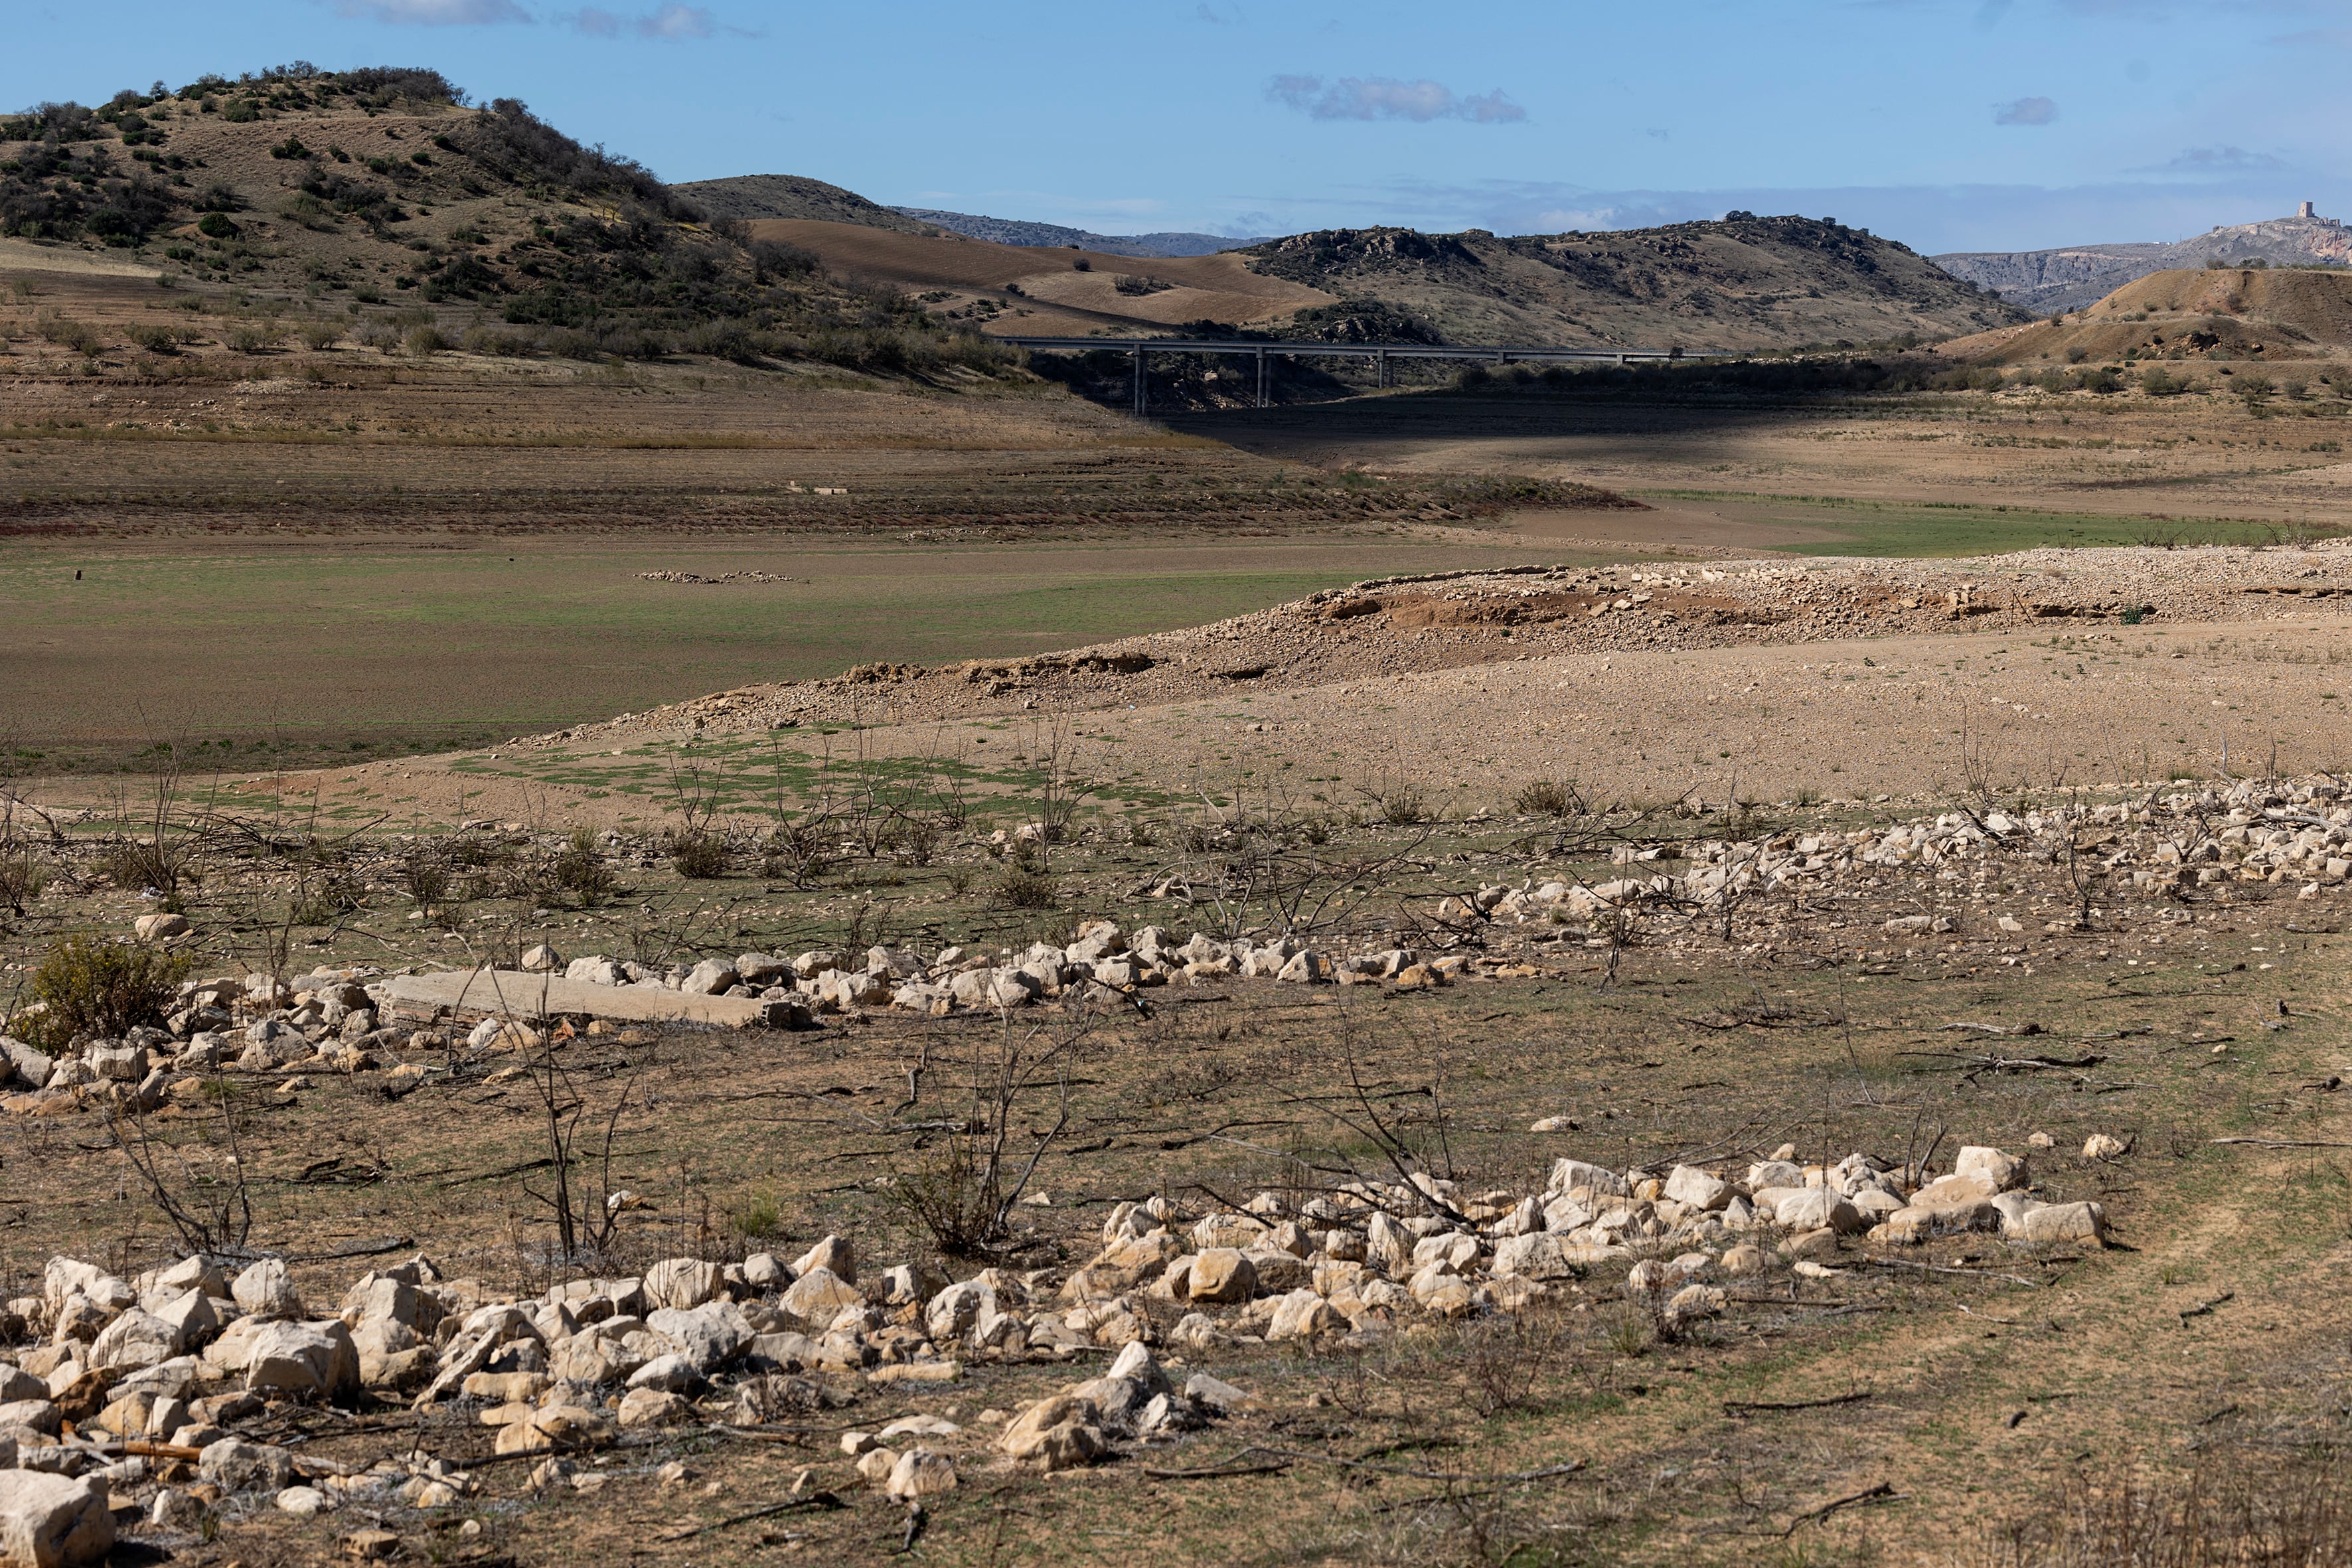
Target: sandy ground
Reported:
[(1901, 717)]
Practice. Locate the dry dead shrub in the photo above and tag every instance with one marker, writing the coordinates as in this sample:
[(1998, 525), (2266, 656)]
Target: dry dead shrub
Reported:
[(1508, 1358), (21, 880), (960, 1193), (2236, 1511)]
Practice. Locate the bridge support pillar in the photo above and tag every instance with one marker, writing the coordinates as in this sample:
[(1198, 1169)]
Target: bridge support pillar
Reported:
[(1263, 371), (1139, 381), (1381, 368)]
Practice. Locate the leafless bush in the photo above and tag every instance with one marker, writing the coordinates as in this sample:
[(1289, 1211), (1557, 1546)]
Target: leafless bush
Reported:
[(1268, 864), (962, 1192), (579, 1134), (424, 876), (2236, 1511), (1052, 751), (1507, 1357), (22, 877), (163, 848), (211, 1210)]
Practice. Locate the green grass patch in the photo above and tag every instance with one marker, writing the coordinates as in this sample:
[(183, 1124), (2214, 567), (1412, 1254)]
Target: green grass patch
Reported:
[(1945, 529)]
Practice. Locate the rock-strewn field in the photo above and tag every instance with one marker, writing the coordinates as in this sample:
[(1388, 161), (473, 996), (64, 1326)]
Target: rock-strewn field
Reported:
[(144, 1407)]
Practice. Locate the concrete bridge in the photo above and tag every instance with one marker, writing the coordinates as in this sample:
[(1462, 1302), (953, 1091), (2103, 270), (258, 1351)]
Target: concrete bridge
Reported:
[(1379, 354)]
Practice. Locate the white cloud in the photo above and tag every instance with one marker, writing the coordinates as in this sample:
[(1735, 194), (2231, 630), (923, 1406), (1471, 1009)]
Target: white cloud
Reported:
[(672, 22), (1386, 98), (436, 13), (2026, 111), (676, 21)]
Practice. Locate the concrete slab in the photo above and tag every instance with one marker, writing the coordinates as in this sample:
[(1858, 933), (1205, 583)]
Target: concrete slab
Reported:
[(470, 994)]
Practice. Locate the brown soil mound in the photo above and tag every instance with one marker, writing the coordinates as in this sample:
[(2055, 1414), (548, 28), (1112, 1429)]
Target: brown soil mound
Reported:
[(2204, 314)]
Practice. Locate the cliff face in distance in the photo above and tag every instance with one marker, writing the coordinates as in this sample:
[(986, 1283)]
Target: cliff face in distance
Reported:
[(2047, 281)]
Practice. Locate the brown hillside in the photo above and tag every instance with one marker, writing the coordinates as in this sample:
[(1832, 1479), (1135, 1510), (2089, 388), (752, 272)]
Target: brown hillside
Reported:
[(1742, 283), (1042, 291), (2203, 313), (371, 206)]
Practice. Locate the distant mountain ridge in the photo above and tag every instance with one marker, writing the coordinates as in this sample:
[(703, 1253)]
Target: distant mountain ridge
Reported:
[(1017, 231), (2070, 276), (752, 197), (1740, 283)]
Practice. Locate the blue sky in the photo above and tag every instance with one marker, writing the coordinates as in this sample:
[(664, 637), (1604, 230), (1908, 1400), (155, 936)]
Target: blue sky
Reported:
[(1972, 124)]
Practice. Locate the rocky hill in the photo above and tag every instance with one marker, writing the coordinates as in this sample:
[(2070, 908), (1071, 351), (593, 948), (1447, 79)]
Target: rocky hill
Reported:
[(380, 198), (752, 197), (1017, 231), (1741, 283), (2070, 276)]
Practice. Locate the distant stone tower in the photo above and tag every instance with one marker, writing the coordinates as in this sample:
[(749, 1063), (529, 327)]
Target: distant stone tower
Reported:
[(2305, 211)]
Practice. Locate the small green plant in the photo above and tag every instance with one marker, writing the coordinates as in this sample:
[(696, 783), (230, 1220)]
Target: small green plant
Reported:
[(1631, 1332), (1548, 797), (99, 990), (580, 870), (423, 341), (698, 857), (155, 340), (320, 336), (2135, 614), (216, 226), (250, 340), (21, 880), (68, 333), (758, 1219)]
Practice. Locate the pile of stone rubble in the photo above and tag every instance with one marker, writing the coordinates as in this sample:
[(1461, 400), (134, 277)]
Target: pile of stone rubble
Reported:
[(1101, 956), (2287, 835), (141, 1397)]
